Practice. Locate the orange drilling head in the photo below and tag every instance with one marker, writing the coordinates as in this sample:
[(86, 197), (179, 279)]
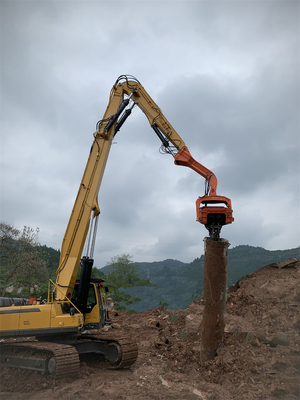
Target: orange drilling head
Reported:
[(213, 214)]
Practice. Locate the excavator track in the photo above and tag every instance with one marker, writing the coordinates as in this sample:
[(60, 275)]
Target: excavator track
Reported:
[(56, 360), (62, 360), (126, 347)]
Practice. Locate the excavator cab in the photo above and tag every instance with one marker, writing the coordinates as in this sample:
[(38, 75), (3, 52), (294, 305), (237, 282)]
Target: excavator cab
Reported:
[(95, 312), (214, 212)]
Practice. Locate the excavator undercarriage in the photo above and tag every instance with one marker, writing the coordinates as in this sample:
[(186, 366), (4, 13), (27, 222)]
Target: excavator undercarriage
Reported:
[(56, 348), (62, 359)]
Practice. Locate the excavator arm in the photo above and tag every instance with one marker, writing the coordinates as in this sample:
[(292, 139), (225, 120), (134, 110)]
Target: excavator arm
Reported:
[(212, 210), (172, 143)]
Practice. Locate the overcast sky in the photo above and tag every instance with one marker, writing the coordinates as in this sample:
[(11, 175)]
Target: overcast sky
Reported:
[(225, 74)]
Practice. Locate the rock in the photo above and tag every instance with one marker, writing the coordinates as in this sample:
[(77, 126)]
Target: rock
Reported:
[(161, 342), (193, 322), (235, 323), (136, 326), (184, 312), (261, 336), (227, 357), (233, 288), (279, 340), (166, 383), (153, 323), (116, 326), (289, 263), (198, 393), (196, 308)]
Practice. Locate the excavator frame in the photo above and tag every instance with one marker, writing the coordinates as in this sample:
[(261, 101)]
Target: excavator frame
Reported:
[(68, 324)]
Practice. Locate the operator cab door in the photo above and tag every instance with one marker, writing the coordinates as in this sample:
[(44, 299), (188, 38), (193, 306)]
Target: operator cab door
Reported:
[(94, 309)]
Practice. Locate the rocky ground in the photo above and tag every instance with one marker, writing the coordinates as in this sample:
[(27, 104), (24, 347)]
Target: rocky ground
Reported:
[(259, 357)]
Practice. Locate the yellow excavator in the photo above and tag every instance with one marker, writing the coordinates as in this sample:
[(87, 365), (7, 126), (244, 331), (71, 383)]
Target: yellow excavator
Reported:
[(54, 333)]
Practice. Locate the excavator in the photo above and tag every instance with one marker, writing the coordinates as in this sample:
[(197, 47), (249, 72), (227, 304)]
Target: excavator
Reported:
[(51, 336)]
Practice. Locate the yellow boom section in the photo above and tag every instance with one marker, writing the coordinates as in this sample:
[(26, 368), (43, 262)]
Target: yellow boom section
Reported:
[(152, 112), (87, 197), (86, 201)]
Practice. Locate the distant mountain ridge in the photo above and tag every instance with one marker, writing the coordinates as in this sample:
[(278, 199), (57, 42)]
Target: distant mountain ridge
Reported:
[(178, 283)]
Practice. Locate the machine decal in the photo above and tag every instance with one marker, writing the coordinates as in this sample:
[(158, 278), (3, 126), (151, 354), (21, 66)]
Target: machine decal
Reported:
[(27, 310)]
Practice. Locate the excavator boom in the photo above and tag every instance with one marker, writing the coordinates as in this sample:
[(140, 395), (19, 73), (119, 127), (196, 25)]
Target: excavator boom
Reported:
[(127, 93)]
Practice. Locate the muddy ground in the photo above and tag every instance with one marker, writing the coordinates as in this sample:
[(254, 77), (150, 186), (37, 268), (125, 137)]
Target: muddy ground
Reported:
[(259, 357)]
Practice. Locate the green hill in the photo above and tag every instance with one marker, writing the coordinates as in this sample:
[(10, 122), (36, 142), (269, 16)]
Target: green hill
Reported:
[(177, 283)]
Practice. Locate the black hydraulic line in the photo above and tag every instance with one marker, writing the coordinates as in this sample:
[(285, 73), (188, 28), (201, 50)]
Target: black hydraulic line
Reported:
[(113, 119), (122, 120), (160, 135)]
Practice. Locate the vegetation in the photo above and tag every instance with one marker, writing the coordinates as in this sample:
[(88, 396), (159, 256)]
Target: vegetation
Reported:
[(25, 267), (22, 262), (123, 275), (52, 260), (178, 284)]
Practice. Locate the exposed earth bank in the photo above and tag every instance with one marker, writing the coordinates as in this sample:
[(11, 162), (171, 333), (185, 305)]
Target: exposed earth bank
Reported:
[(259, 357)]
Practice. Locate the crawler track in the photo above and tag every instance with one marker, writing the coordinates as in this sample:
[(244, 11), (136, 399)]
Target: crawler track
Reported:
[(57, 360), (62, 360), (128, 350)]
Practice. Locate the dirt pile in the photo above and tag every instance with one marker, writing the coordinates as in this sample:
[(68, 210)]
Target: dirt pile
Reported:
[(258, 358)]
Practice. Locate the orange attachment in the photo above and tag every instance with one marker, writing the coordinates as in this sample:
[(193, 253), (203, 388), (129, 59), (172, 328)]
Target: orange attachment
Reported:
[(210, 212), (183, 157)]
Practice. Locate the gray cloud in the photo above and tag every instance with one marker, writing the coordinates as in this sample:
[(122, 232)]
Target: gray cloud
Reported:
[(225, 74)]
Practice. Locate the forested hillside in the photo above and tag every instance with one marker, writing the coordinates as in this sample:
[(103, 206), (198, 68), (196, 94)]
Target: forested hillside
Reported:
[(178, 283), (26, 267)]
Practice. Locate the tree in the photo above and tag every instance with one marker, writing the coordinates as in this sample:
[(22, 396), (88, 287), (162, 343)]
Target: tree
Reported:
[(96, 274), (124, 271), (22, 264), (124, 275), (163, 304), (52, 257)]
